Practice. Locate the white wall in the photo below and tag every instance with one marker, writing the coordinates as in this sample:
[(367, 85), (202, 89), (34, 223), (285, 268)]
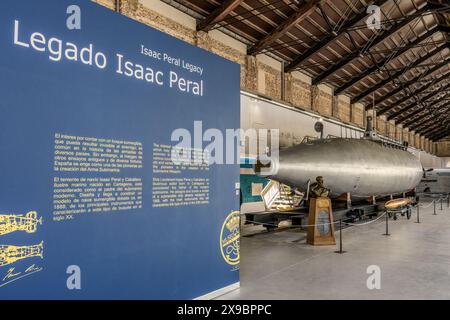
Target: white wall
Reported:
[(428, 160), (446, 162), (295, 124)]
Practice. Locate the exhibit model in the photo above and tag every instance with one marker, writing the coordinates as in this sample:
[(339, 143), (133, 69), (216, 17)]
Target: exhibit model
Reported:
[(435, 181), (353, 171)]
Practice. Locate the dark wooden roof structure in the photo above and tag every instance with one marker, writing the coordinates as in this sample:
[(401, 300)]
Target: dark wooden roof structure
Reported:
[(401, 67)]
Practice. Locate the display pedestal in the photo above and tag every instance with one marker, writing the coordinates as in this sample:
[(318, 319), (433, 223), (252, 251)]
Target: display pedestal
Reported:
[(321, 229)]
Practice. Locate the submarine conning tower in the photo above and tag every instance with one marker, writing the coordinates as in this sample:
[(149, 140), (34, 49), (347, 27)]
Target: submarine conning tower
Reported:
[(370, 132)]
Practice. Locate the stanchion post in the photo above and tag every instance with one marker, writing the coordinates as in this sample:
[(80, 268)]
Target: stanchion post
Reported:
[(387, 225), (418, 213), (441, 202), (340, 238), (434, 207)]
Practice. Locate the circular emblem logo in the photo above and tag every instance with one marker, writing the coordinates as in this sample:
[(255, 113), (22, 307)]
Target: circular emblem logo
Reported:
[(229, 238)]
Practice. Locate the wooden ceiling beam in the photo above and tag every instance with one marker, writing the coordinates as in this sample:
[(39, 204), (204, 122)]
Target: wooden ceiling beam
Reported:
[(414, 93), (376, 66), (219, 14), (414, 104), (330, 37), (305, 10), (429, 122), (412, 81), (384, 82), (415, 121), (345, 60)]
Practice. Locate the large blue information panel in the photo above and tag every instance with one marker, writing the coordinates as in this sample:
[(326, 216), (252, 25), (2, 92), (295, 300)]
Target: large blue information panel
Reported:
[(94, 108)]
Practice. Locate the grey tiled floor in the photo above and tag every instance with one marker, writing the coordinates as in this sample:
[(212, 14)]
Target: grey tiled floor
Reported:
[(414, 262)]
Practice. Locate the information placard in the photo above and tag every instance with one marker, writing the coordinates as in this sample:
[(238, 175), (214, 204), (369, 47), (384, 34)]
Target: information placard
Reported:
[(92, 205)]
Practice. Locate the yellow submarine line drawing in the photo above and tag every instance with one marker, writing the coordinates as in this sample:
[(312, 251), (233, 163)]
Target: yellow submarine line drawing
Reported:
[(11, 254), (19, 222)]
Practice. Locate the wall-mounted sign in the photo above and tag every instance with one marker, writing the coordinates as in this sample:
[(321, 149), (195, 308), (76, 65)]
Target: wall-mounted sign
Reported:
[(91, 204)]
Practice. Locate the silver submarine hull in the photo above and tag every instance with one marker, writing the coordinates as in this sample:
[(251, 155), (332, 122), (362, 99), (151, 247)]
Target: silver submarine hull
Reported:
[(361, 167)]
